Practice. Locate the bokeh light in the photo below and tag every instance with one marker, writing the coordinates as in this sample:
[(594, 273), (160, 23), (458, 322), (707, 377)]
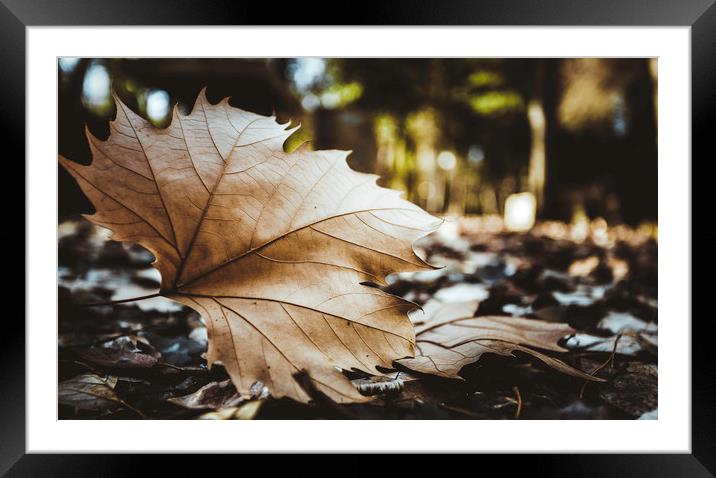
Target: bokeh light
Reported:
[(447, 160), (96, 89), (157, 105), (68, 64), (520, 210)]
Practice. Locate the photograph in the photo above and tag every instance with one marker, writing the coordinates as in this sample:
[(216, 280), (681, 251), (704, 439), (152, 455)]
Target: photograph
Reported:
[(324, 238)]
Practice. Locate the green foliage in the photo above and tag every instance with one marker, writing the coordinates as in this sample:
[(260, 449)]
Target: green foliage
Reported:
[(496, 102), (485, 78), (339, 95)]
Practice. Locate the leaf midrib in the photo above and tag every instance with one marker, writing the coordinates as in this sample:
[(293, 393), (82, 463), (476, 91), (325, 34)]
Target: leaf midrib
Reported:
[(278, 238), (189, 248), (301, 306)]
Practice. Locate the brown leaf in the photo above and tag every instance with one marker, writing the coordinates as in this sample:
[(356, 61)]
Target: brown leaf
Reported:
[(247, 411), (380, 385), (270, 247), (89, 392), (583, 267), (449, 337), (214, 395), (122, 352)]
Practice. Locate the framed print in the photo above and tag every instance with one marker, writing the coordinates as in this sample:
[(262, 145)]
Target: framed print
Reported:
[(412, 229)]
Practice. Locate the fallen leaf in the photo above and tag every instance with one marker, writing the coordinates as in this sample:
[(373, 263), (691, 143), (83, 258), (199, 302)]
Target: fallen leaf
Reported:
[(272, 248), (627, 344), (449, 337), (584, 296), (122, 352), (383, 384), (462, 293), (620, 322), (620, 268), (583, 267), (214, 395), (89, 392), (246, 411), (177, 351)]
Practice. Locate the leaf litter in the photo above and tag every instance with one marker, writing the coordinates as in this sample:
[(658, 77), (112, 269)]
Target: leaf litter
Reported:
[(485, 389)]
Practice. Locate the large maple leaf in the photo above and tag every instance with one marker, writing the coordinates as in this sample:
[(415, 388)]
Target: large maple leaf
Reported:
[(271, 248)]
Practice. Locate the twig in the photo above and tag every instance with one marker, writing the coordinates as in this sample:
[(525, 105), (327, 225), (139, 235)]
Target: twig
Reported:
[(518, 396), (609, 360), (182, 369), (122, 301)]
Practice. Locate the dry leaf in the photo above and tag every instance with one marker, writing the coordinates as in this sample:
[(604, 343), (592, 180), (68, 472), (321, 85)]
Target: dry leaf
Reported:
[(387, 384), (89, 392), (214, 395), (122, 352), (270, 247), (583, 267), (247, 411), (449, 337)]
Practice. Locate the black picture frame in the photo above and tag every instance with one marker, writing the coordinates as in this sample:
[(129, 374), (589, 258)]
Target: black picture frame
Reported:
[(16, 15)]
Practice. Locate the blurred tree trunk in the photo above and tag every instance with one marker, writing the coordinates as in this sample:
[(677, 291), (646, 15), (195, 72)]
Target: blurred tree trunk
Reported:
[(551, 91), (541, 118), (536, 118), (639, 189)]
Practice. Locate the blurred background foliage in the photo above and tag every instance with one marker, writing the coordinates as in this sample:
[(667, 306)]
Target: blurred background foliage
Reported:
[(457, 135)]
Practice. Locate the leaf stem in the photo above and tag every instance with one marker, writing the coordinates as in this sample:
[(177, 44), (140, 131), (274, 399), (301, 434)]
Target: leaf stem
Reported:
[(122, 301)]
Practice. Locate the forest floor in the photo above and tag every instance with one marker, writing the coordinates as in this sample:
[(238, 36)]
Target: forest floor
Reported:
[(146, 359)]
